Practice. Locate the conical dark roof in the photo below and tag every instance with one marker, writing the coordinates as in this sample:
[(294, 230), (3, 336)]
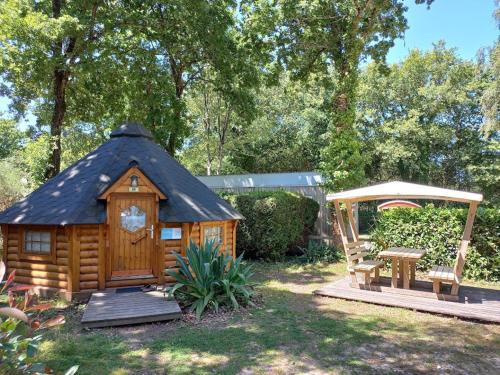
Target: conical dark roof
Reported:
[(71, 197)]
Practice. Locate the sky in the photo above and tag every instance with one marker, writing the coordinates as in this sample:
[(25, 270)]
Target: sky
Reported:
[(466, 25)]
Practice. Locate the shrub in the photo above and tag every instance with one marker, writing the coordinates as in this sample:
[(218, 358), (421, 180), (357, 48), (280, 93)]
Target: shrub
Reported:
[(318, 252), (439, 230), (275, 222), (20, 327), (210, 278)]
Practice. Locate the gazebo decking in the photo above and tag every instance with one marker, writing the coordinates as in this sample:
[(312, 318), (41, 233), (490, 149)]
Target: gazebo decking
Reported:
[(473, 303)]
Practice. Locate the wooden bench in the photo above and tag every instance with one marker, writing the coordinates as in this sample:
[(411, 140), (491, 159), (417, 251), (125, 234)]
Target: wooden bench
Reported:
[(356, 252), (443, 274)]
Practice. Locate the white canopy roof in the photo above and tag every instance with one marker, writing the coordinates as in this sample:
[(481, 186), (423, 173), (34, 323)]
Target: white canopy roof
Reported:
[(398, 189)]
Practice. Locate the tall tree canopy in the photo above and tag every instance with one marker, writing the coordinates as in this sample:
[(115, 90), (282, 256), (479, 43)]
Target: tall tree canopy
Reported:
[(422, 121), (174, 44), (332, 37), (45, 45), (103, 62), (284, 133)]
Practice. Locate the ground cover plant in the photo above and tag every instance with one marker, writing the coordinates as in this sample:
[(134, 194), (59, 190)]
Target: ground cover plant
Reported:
[(319, 252), (292, 331), (209, 278)]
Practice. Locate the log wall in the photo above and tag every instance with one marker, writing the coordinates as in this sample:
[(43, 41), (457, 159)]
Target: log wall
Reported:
[(88, 238), (79, 261), (169, 247), (42, 273), (192, 232)]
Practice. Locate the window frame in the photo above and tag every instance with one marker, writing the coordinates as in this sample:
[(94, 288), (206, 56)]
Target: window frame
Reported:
[(49, 257), (213, 225), (138, 229)]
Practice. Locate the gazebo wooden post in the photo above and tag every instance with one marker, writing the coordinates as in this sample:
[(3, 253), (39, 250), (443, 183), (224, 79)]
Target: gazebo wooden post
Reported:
[(352, 221), (353, 224), (464, 245), (343, 235)]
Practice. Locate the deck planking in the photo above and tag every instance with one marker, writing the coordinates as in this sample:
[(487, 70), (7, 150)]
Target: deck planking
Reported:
[(108, 308), (474, 303)]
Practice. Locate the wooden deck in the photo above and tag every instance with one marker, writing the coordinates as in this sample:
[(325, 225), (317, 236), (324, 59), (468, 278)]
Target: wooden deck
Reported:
[(474, 303), (109, 308)]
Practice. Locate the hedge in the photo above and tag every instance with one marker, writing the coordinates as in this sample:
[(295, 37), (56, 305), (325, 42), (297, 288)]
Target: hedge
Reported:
[(275, 222), (439, 231)]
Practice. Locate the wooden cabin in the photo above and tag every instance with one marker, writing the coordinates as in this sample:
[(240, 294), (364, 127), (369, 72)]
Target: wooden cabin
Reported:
[(113, 219)]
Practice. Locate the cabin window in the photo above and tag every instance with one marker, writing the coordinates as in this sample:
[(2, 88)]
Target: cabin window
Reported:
[(133, 218), (213, 233), (37, 242)]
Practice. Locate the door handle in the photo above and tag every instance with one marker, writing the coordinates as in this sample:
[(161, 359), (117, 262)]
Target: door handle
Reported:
[(138, 238), (151, 230)]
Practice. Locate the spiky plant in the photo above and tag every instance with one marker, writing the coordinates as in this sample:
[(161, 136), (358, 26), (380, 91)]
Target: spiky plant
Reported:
[(210, 278)]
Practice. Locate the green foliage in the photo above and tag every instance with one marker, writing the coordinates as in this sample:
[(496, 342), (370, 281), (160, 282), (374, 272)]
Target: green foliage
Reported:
[(218, 116), (12, 138), (439, 230), (14, 182), (20, 327), (331, 38), (318, 252), (280, 130), (421, 121), (36, 155), (176, 63), (209, 279), (490, 98), (275, 222), (341, 162), (79, 48), (486, 173)]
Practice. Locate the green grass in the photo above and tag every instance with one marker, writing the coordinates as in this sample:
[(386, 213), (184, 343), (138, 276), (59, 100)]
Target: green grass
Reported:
[(292, 331)]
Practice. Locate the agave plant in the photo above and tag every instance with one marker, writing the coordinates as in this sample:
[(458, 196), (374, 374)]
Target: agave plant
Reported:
[(210, 278), (20, 327)]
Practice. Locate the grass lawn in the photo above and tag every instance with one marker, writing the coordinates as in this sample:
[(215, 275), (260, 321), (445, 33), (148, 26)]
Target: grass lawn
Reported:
[(291, 332)]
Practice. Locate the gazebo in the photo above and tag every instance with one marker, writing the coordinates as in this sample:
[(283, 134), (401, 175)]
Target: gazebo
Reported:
[(356, 251)]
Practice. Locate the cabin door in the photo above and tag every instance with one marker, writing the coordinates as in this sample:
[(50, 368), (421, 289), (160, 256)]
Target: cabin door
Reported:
[(132, 219)]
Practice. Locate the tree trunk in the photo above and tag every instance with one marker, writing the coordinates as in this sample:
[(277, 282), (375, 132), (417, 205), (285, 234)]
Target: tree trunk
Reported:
[(223, 125), (60, 81), (207, 124), (177, 72), (59, 88)]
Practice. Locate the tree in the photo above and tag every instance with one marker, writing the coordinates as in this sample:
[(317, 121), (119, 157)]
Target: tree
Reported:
[(332, 37), (491, 95), (11, 139), (421, 121), (280, 132), (287, 133), (183, 39), (218, 114), (45, 45)]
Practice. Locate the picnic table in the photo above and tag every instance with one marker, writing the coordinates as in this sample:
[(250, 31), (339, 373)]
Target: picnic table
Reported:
[(407, 259)]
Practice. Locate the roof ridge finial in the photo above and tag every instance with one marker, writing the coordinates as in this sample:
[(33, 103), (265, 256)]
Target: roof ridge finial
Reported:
[(131, 129)]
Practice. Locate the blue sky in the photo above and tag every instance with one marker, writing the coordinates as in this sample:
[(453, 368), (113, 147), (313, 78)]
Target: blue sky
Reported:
[(466, 25)]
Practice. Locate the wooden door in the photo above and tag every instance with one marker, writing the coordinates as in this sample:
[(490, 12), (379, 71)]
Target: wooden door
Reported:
[(132, 222)]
